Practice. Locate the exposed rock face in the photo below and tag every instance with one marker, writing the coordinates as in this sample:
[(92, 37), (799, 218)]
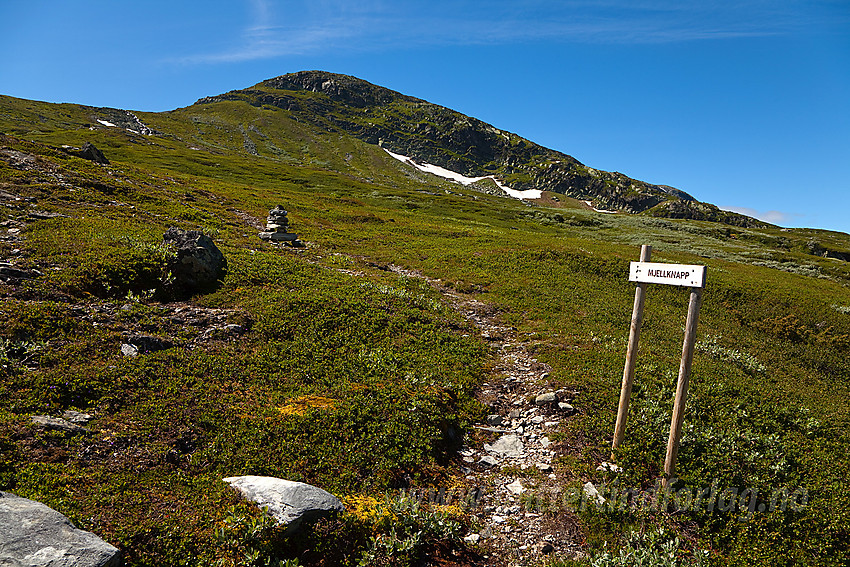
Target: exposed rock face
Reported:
[(198, 263), (12, 274), (90, 152), (31, 534), (288, 502), (681, 209)]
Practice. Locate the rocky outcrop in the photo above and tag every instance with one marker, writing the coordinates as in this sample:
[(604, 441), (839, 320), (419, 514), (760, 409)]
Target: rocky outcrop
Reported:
[(289, 502), (817, 249), (32, 534), (695, 210), (197, 263), (10, 273)]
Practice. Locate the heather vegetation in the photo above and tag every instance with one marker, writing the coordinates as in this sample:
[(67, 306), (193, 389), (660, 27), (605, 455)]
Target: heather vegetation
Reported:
[(361, 380)]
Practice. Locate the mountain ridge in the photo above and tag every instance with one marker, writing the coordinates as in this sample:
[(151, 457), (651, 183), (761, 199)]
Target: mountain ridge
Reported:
[(435, 134)]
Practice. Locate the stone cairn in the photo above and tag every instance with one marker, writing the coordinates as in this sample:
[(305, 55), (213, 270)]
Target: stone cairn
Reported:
[(277, 227)]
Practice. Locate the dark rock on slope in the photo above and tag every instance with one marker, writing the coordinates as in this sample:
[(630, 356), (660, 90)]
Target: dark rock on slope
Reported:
[(197, 262)]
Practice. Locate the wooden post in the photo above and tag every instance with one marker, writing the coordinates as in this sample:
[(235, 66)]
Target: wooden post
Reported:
[(631, 356), (682, 385)]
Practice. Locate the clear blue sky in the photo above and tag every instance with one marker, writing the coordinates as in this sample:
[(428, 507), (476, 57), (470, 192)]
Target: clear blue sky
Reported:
[(742, 103)]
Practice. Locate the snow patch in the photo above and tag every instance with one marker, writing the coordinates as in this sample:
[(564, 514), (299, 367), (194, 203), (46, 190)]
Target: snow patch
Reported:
[(105, 123), (590, 204), (463, 179)]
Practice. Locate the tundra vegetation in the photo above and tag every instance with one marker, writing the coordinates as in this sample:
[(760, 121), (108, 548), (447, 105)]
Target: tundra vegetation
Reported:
[(362, 381)]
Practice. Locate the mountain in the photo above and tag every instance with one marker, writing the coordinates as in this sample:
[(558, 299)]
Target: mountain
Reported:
[(434, 134)]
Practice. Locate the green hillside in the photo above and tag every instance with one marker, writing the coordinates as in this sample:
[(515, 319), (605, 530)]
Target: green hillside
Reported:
[(355, 370)]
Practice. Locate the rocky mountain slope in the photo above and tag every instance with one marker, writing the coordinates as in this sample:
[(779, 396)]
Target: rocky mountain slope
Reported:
[(434, 134)]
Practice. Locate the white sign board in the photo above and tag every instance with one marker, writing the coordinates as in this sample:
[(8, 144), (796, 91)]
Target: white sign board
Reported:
[(671, 274)]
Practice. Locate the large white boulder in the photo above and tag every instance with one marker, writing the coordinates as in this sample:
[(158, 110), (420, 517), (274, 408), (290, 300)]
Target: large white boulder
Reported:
[(287, 501)]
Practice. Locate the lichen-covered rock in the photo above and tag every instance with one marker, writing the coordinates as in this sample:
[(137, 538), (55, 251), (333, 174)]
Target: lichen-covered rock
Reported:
[(287, 501), (57, 424), (32, 534), (197, 263)]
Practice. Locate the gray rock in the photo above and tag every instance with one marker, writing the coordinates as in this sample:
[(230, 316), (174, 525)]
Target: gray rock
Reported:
[(10, 272), (197, 263), (565, 407), (546, 398), (288, 502), (76, 417), (144, 344), (57, 424), (494, 420), (277, 214), (129, 350), (31, 534), (507, 445), (91, 153), (488, 462), (592, 494), (279, 236)]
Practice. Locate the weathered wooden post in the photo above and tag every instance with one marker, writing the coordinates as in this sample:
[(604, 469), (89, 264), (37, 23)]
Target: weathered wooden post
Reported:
[(631, 356), (682, 384), (686, 275)]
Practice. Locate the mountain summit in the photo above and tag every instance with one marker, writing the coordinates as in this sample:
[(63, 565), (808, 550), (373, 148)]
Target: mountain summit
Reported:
[(437, 135)]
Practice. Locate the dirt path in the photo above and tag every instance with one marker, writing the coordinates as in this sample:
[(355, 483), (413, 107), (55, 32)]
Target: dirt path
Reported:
[(510, 458)]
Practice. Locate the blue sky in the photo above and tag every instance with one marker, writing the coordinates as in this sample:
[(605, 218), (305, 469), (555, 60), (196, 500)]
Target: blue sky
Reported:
[(744, 104)]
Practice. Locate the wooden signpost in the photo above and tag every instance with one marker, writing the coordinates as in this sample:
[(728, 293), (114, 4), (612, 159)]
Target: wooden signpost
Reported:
[(646, 272)]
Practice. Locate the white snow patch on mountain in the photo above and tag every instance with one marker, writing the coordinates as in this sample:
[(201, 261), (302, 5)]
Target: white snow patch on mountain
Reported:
[(590, 204), (105, 123), (463, 179)]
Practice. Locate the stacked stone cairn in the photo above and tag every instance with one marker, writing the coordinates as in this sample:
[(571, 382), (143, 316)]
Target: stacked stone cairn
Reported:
[(277, 227)]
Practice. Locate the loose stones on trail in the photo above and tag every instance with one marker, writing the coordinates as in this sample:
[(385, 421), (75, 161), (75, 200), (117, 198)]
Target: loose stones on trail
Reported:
[(277, 227), (507, 446)]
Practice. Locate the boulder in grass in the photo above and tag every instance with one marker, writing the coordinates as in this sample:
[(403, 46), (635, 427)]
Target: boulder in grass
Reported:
[(197, 263), (32, 534), (288, 502), (91, 153)]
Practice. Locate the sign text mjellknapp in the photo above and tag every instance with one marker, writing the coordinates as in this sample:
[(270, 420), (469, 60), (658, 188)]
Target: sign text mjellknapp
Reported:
[(686, 275)]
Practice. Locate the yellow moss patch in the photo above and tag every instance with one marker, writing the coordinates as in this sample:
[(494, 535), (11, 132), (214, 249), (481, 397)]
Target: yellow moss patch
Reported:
[(370, 512), (301, 404)]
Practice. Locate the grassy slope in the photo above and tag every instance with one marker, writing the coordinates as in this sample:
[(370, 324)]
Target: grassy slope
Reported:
[(768, 401)]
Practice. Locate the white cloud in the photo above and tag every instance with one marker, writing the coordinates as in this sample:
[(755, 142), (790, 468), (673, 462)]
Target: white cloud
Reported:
[(299, 27), (773, 217)]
